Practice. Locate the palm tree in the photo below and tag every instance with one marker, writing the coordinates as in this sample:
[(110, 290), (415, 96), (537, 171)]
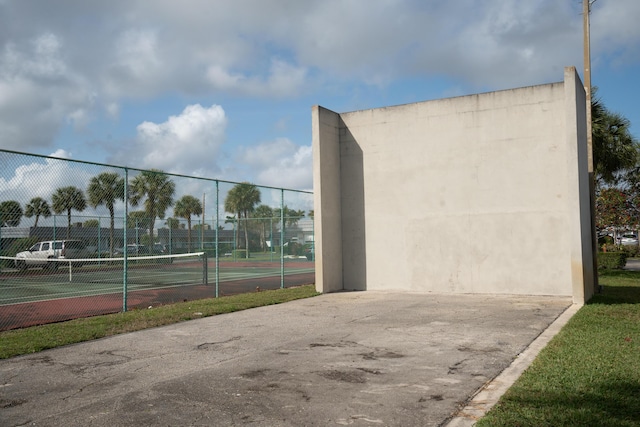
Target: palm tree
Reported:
[(264, 215), (158, 189), (10, 213), (241, 201), (37, 207), (137, 219), (614, 147), (173, 223), (290, 217), (184, 208), (105, 189), (66, 199)]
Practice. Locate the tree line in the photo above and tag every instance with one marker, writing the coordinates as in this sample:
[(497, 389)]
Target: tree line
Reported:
[(154, 191), (616, 161)]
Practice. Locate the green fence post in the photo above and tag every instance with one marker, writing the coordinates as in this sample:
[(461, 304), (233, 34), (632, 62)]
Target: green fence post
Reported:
[(99, 241), (217, 238), (281, 238), (124, 238)]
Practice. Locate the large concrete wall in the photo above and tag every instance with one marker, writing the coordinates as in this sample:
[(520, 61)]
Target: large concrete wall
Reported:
[(484, 193)]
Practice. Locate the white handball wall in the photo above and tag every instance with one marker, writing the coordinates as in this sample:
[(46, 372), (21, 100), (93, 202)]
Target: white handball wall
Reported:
[(484, 193)]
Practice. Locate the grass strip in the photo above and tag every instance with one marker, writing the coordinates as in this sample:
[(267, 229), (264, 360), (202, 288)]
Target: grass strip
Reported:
[(38, 338), (589, 374)]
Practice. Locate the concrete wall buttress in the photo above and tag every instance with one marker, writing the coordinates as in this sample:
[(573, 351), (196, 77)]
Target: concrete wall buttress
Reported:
[(327, 203)]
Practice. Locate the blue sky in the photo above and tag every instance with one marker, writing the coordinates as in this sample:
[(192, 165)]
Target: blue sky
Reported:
[(224, 89)]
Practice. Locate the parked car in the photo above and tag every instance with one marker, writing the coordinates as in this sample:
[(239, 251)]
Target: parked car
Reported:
[(160, 249), (310, 253), (629, 239), (132, 250), (41, 254), (142, 250)]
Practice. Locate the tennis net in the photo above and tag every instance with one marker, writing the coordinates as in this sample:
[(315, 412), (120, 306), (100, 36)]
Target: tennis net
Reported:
[(158, 270)]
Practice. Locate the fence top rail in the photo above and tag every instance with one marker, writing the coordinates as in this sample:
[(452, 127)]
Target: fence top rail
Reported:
[(125, 168)]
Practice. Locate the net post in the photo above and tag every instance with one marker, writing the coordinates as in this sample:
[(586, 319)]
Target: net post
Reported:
[(205, 267)]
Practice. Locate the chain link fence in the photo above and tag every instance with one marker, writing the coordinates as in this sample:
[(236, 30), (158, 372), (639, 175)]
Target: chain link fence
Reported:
[(80, 239)]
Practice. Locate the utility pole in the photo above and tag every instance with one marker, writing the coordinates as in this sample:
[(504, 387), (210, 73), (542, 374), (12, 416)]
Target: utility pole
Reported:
[(586, 10)]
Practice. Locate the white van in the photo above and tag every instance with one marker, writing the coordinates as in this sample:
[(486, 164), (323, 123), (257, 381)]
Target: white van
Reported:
[(40, 254)]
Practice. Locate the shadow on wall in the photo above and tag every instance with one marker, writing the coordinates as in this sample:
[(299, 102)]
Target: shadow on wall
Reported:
[(354, 252)]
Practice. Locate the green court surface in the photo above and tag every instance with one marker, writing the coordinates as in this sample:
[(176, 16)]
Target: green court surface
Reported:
[(41, 285)]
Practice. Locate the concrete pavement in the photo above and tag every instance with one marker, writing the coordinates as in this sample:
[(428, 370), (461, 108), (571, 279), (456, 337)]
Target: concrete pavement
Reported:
[(353, 358)]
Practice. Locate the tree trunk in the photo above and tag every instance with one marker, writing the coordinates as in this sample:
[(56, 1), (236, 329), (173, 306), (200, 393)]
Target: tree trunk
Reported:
[(189, 233), (68, 223), (246, 235), (112, 226)]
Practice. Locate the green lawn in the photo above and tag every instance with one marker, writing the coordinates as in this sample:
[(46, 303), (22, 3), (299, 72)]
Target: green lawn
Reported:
[(38, 338), (589, 374)]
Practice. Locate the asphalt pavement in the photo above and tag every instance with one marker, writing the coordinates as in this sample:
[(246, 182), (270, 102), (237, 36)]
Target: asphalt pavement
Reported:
[(633, 264), (352, 358)]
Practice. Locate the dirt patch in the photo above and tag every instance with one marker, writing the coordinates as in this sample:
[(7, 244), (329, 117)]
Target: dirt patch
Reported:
[(356, 377)]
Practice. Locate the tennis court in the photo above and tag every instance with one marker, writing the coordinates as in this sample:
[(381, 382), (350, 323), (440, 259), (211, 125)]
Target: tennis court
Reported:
[(45, 295)]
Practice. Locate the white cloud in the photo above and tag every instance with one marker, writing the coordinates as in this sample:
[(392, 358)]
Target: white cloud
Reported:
[(280, 163), (503, 44), (112, 109), (41, 177), (139, 67), (615, 33), (184, 144), (38, 93), (61, 154), (76, 61), (283, 80)]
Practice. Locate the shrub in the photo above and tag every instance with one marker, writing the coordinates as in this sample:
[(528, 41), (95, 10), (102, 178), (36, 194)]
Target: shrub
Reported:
[(14, 247), (631, 250), (240, 253), (605, 240), (612, 260), (295, 248)]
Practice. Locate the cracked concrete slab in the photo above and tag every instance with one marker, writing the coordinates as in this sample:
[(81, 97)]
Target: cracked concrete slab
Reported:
[(356, 358)]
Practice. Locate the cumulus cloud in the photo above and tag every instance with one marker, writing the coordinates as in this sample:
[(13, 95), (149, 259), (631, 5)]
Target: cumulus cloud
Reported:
[(615, 33), (283, 80), (38, 93), (78, 61), (31, 177), (138, 66), (184, 144), (502, 44), (280, 163)]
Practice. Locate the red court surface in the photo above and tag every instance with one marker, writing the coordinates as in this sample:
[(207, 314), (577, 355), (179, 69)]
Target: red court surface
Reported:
[(56, 310)]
